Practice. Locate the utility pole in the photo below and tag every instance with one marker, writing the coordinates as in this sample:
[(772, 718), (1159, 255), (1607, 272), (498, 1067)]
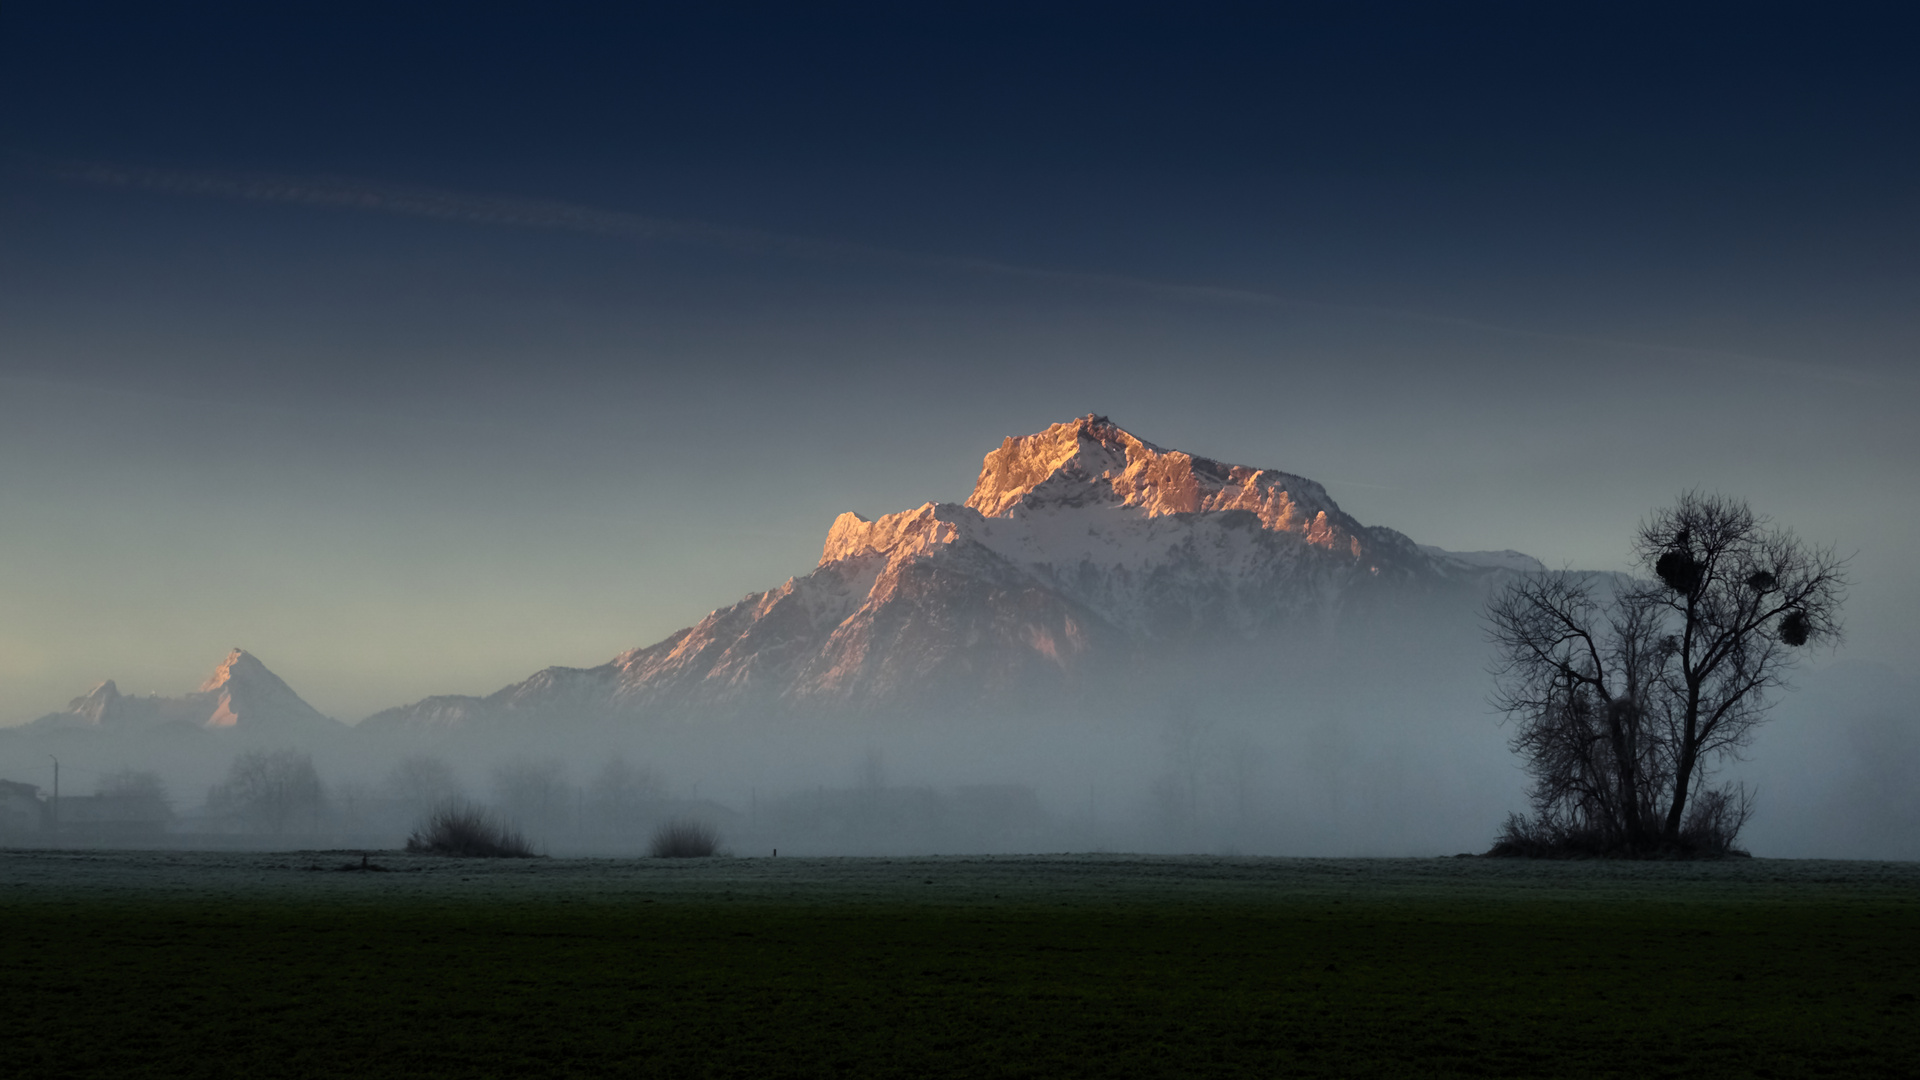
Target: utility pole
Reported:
[(56, 793)]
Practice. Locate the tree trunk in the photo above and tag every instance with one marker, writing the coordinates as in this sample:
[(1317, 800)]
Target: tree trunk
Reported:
[(1624, 751), (1683, 772)]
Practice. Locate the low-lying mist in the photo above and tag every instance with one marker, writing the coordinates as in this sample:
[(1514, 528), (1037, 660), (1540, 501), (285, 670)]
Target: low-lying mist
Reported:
[(1375, 741)]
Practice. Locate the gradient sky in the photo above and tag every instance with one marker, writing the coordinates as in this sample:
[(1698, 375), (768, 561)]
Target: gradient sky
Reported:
[(415, 352)]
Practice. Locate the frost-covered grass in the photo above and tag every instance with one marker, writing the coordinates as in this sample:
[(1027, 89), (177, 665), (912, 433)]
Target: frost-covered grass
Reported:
[(1090, 966), (989, 880)]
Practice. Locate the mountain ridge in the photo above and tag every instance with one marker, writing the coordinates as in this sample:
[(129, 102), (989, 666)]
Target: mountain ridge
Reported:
[(1080, 545)]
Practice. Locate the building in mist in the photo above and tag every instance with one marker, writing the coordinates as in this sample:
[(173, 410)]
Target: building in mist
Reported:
[(23, 813), (110, 819), (28, 816)]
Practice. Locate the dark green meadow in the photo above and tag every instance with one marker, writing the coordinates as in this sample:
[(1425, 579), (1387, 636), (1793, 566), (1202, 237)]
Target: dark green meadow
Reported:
[(925, 971)]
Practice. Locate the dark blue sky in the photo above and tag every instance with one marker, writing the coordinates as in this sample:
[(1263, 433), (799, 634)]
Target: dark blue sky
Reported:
[(415, 351)]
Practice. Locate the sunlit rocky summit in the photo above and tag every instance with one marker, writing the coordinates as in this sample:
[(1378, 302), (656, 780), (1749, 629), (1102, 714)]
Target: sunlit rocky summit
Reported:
[(1082, 551), (241, 694)]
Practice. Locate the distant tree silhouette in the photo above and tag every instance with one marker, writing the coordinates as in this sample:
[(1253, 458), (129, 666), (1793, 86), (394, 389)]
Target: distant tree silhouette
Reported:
[(270, 786), (134, 784), (622, 792), (138, 794), (533, 794), (1624, 695), (423, 782)]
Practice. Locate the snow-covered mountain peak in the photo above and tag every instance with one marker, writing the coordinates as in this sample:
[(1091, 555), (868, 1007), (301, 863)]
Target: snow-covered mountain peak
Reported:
[(1082, 548), (1128, 529), (1093, 460), (106, 690), (93, 704), (1091, 447), (241, 693), (240, 665)]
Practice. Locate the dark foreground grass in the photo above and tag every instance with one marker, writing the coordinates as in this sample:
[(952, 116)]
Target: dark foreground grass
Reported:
[(257, 986)]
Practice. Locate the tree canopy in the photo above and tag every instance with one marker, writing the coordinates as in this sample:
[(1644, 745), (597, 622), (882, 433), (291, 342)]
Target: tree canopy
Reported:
[(272, 787), (1626, 692)]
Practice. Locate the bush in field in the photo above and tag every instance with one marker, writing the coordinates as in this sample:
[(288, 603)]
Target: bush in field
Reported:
[(683, 838), (1713, 823), (465, 830)]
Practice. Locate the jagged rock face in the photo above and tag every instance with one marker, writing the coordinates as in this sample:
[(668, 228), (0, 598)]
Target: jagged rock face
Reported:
[(1091, 459), (240, 694), (1159, 544), (1081, 546)]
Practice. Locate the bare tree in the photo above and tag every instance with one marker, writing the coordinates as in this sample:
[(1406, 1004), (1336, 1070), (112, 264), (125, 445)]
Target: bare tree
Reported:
[(423, 782), (273, 786), (621, 791), (1626, 693), (533, 794), (873, 770), (139, 792), (1183, 791), (1188, 738), (1246, 760), (133, 784)]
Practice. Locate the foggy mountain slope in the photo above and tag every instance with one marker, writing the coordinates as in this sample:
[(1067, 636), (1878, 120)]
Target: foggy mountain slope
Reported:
[(241, 694), (1083, 551)]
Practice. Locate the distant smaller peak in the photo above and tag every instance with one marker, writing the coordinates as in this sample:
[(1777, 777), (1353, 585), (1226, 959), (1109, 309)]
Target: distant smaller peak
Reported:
[(96, 701), (1507, 559)]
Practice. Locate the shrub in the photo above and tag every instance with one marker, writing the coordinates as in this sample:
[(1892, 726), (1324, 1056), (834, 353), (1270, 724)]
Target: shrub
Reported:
[(684, 838), (1712, 826), (1543, 837), (1715, 819), (468, 831)]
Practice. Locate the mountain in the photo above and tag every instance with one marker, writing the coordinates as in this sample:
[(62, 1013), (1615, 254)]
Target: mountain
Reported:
[(1082, 552), (241, 694)]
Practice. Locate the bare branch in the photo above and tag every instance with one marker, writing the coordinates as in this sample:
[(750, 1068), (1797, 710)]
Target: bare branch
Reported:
[(1621, 707)]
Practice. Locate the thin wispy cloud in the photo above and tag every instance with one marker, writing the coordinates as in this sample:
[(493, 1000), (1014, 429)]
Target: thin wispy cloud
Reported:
[(440, 204), (549, 214)]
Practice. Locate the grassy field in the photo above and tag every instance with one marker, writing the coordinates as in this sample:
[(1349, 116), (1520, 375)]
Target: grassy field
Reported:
[(287, 966)]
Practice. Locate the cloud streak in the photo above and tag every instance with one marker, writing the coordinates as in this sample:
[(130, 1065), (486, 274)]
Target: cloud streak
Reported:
[(548, 214)]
